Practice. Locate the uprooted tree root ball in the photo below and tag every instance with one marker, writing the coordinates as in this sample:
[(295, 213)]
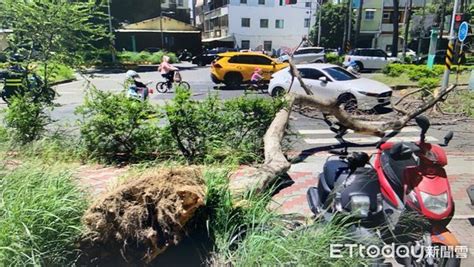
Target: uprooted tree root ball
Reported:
[(143, 217)]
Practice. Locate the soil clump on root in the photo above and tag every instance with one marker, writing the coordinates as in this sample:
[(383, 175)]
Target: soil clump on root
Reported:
[(141, 218)]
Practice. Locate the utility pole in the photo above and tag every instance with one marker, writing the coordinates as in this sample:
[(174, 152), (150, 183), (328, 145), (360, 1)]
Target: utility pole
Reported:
[(111, 30), (349, 27), (452, 38), (359, 22), (407, 18)]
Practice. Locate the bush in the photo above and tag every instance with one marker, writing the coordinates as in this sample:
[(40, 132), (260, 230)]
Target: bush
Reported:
[(145, 57), (116, 128), (40, 217), (214, 131), (25, 119), (333, 58), (394, 70), (418, 72), (429, 83)]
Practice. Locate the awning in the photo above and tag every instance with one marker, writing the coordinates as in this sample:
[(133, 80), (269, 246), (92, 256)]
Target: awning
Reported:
[(166, 31), (220, 39)]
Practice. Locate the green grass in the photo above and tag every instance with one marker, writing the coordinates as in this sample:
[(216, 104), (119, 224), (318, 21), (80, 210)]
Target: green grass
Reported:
[(405, 80), (268, 241), (40, 216)]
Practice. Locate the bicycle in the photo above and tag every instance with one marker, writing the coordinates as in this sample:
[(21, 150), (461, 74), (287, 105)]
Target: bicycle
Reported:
[(162, 87), (256, 86)]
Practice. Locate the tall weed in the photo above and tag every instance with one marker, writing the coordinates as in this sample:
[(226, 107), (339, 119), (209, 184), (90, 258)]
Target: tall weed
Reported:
[(40, 216)]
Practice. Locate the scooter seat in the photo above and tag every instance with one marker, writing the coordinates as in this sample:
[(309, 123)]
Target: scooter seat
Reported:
[(394, 169)]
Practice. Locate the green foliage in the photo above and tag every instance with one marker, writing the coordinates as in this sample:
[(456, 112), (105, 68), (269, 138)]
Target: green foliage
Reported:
[(429, 83), (213, 131), (116, 128), (145, 57), (333, 58), (332, 23), (58, 72), (249, 234), (40, 216), (394, 69), (415, 73), (26, 120)]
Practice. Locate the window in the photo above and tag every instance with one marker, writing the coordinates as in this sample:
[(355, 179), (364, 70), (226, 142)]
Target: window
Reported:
[(263, 23), (306, 23), (243, 1), (279, 24), (309, 51), (310, 74), (260, 60), (246, 22), (261, 2), (180, 2), (369, 14), (340, 74), (307, 4), (379, 53), (245, 44), (253, 60), (267, 45)]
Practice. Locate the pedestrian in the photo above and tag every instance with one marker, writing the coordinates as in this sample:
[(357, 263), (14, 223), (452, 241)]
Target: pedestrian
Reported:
[(167, 70)]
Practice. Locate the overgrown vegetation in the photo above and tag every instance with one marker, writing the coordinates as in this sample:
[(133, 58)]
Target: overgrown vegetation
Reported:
[(40, 216), (145, 57), (116, 128), (249, 234), (414, 72)]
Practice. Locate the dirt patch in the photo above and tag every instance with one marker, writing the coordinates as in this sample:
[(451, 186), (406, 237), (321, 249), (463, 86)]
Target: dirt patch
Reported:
[(140, 219)]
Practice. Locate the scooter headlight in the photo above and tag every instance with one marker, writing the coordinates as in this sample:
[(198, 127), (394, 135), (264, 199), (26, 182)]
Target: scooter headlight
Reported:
[(360, 205), (435, 203)]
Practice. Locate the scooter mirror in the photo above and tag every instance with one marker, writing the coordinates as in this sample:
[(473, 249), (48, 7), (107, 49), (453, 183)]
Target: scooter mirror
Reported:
[(423, 123), (448, 138)]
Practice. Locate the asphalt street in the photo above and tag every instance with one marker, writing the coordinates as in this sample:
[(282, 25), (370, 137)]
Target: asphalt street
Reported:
[(312, 133)]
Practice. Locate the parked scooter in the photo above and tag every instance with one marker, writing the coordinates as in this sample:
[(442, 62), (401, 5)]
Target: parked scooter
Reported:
[(407, 178), (413, 179)]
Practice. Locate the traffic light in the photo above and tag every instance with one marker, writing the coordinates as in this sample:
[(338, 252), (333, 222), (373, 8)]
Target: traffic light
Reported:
[(290, 2), (458, 19)]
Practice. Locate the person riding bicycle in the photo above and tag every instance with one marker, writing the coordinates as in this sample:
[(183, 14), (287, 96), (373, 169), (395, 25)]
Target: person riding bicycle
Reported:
[(136, 88), (167, 70), (256, 77)]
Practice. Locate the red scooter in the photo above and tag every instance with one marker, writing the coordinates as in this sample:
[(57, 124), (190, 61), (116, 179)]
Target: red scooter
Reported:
[(412, 178)]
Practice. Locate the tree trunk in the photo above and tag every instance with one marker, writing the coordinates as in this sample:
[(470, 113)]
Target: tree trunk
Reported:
[(395, 18)]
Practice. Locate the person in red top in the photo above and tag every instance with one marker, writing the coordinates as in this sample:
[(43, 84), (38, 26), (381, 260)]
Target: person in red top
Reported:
[(167, 70)]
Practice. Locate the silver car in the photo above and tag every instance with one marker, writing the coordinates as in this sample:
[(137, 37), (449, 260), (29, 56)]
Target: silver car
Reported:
[(306, 55)]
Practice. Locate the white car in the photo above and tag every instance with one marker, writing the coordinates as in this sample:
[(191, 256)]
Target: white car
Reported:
[(333, 83), (306, 55), (369, 58)]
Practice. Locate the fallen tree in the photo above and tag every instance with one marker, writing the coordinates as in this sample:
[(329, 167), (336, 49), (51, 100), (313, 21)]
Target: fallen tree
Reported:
[(259, 179)]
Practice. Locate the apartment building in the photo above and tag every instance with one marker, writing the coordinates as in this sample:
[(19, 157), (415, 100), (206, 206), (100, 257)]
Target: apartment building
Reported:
[(377, 22), (254, 24)]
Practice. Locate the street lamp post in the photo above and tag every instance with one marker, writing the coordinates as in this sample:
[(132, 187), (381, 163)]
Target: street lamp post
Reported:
[(161, 25)]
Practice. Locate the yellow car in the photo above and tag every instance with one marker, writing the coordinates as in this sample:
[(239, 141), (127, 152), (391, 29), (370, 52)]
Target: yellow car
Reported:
[(235, 68)]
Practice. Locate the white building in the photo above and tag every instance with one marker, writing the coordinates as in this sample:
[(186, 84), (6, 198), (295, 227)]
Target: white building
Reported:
[(254, 24)]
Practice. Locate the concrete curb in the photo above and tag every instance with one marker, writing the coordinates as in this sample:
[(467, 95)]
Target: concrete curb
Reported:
[(63, 82)]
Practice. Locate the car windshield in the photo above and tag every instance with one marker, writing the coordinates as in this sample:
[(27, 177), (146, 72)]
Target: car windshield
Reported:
[(339, 74)]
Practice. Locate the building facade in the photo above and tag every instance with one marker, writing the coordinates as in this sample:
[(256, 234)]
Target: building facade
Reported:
[(268, 25), (131, 11)]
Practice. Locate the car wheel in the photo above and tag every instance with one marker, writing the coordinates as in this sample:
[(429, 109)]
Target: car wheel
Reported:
[(233, 80), (360, 65), (348, 102), (318, 61), (201, 63), (278, 91)]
